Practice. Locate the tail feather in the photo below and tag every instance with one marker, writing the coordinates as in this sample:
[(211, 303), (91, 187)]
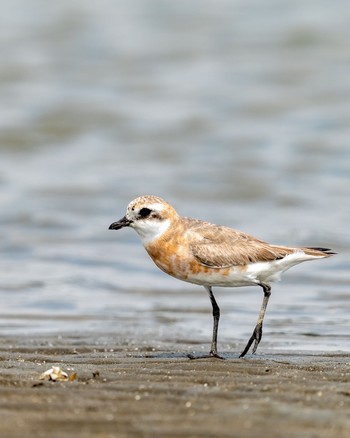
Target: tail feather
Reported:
[(319, 252)]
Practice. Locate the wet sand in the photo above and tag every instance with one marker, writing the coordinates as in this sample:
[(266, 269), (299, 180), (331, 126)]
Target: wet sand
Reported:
[(131, 390)]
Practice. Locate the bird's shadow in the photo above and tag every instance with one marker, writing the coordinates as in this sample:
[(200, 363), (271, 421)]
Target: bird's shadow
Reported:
[(171, 355)]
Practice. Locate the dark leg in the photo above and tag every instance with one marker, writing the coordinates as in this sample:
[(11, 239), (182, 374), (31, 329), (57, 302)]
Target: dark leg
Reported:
[(257, 333), (216, 316)]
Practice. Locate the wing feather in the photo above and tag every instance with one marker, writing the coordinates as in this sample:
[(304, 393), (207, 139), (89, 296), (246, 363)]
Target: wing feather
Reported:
[(221, 247)]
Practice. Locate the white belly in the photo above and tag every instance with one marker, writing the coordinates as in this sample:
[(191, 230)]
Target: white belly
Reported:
[(252, 274)]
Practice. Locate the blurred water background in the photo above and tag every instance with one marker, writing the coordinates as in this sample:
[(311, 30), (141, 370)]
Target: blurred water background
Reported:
[(235, 111)]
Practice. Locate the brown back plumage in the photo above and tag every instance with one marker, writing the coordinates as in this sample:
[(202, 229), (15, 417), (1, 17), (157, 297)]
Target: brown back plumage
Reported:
[(220, 247)]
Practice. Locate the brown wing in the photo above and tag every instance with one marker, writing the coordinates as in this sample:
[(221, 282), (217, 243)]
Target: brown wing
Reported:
[(221, 247)]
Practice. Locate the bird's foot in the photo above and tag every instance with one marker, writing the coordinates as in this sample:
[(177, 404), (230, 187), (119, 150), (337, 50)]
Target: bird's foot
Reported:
[(206, 356), (256, 338)]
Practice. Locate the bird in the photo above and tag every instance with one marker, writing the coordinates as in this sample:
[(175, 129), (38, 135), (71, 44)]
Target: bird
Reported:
[(210, 255)]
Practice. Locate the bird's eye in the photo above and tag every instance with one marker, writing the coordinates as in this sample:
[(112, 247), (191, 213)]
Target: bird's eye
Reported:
[(144, 212)]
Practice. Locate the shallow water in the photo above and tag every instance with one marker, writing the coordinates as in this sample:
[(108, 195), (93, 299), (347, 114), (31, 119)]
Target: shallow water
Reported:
[(237, 113)]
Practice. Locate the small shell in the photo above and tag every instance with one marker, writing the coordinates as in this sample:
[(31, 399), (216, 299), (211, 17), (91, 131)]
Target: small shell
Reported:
[(54, 374), (72, 377)]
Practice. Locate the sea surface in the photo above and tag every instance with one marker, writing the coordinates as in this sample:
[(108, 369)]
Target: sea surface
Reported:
[(236, 112)]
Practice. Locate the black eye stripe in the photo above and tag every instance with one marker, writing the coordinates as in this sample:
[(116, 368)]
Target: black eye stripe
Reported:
[(144, 212)]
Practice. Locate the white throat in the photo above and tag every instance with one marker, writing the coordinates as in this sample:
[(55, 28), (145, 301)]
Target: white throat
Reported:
[(150, 230)]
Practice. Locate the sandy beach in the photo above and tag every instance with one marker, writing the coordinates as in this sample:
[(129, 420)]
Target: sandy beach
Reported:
[(236, 113), (138, 391)]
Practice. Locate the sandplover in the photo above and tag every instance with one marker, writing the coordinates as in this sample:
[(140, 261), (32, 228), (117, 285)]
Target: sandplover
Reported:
[(211, 255)]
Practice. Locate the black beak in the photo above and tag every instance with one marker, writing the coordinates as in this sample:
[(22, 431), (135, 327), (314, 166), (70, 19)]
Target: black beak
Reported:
[(123, 222)]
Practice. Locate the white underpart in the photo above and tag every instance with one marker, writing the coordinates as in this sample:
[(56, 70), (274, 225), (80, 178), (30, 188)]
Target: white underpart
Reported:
[(254, 273), (150, 229)]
